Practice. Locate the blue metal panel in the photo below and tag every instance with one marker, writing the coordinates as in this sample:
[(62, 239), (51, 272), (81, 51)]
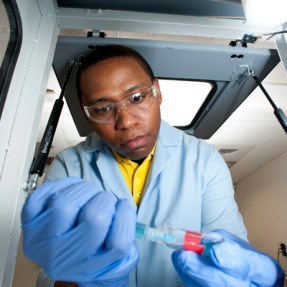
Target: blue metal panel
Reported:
[(227, 67)]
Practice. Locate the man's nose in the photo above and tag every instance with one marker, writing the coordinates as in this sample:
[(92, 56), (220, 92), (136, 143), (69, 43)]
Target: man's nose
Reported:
[(125, 119)]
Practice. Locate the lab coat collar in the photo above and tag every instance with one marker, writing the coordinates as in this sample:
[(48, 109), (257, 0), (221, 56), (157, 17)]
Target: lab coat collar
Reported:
[(93, 143), (169, 136)]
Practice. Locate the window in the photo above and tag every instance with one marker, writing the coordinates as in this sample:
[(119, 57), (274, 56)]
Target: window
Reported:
[(11, 38), (181, 100)]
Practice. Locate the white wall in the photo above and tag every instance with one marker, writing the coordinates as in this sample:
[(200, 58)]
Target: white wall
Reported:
[(262, 201)]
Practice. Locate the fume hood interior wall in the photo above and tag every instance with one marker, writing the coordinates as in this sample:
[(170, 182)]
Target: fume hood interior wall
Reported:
[(262, 199)]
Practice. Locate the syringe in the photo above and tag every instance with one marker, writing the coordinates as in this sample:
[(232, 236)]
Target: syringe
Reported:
[(178, 238)]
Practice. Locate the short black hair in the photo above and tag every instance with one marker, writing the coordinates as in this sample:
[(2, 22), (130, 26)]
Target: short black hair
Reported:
[(105, 52)]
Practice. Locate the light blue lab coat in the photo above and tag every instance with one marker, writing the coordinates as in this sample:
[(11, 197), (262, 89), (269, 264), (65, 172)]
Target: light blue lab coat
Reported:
[(189, 187)]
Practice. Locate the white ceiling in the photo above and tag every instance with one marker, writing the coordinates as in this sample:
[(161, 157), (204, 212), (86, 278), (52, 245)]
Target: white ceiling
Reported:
[(252, 130)]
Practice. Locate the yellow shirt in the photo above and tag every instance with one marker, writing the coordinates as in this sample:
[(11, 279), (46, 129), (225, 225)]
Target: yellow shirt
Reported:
[(135, 175)]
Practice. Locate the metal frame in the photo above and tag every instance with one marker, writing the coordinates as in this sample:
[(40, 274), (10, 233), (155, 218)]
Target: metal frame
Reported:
[(72, 18), (20, 121), (281, 44)]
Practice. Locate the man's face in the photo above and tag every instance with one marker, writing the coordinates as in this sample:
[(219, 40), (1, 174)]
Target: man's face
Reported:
[(112, 80)]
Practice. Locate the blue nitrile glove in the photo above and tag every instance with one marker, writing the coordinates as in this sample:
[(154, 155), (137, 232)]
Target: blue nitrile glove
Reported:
[(233, 262), (78, 234)]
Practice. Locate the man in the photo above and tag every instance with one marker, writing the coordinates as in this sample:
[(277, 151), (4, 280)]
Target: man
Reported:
[(79, 226)]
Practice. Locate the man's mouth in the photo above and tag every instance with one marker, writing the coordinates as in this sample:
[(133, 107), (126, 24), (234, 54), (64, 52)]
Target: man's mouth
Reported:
[(135, 142)]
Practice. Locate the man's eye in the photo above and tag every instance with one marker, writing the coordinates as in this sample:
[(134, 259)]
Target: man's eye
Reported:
[(102, 110), (137, 98)]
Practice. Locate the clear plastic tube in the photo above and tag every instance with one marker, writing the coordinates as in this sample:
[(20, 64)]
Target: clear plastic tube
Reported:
[(178, 238)]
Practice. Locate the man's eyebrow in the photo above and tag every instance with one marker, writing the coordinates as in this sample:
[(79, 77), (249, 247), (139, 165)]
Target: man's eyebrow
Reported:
[(99, 100), (135, 87), (105, 98)]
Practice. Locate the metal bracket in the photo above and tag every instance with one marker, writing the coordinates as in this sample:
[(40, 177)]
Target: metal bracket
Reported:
[(240, 74), (96, 33), (247, 39)]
